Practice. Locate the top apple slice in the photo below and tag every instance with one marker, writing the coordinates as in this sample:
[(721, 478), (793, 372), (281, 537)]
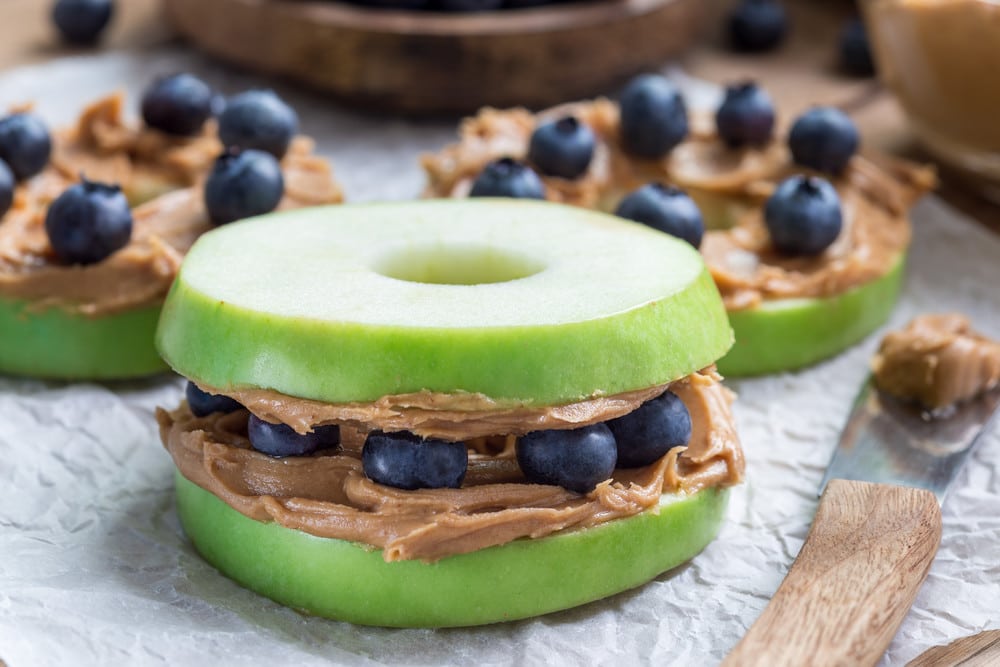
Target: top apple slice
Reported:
[(528, 303)]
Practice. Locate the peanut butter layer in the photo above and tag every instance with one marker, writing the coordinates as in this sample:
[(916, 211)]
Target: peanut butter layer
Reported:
[(937, 361), (149, 165), (729, 185), (328, 495), (453, 417)]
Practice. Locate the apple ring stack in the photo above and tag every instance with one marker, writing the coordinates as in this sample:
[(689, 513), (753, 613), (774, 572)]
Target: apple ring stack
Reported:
[(428, 413)]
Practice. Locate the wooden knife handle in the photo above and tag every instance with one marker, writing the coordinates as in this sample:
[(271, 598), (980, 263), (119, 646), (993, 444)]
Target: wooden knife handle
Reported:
[(980, 650), (866, 555)]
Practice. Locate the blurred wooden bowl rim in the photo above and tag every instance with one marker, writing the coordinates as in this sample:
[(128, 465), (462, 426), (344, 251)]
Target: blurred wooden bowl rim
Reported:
[(425, 62)]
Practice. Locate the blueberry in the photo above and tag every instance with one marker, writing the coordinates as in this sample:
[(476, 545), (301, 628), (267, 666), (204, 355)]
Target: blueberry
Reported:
[(562, 147), (746, 116), (519, 4), (6, 188), (650, 431), (406, 461), (280, 440), (394, 4), (803, 216), (81, 22), (508, 178), (855, 51), (757, 25), (25, 144), (243, 184), (178, 104), (824, 139), (218, 105), (88, 222), (202, 403), (665, 208), (467, 5), (653, 117), (577, 460), (258, 119)]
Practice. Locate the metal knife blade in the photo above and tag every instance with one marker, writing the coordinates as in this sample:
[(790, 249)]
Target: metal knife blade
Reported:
[(893, 442), (874, 537)]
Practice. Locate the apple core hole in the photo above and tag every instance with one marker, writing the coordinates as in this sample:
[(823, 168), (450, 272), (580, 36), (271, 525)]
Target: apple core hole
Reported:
[(457, 264)]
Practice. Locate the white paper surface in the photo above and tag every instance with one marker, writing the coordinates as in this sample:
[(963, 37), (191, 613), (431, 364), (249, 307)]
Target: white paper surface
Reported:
[(94, 569)]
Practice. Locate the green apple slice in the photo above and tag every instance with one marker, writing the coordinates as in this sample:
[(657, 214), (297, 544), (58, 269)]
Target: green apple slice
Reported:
[(351, 582), (526, 302), (59, 345), (787, 334)]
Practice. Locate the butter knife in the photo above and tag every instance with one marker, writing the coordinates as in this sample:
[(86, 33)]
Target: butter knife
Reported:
[(876, 531)]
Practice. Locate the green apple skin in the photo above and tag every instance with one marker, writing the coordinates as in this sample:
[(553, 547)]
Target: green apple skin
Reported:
[(58, 345), (215, 331), (350, 582), (789, 334)]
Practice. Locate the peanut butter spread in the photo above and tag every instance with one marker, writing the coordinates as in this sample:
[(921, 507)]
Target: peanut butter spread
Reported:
[(731, 187), (328, 495), (453, 417), (165, 172), (937, 360)]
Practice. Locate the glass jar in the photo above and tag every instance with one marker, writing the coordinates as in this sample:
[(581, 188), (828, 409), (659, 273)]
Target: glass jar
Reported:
[(941, 58)]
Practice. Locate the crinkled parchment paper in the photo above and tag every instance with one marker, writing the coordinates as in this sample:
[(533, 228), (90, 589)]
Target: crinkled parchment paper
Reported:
[(95, 570)]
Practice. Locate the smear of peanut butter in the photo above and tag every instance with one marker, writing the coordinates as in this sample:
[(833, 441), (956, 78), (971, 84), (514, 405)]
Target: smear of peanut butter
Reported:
[(167, 171), (937, 361), (328, 494), (454, 417), (729, 185)]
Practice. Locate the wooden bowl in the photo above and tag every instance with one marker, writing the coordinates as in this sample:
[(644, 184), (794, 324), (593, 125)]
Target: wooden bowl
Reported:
[(424, 62)]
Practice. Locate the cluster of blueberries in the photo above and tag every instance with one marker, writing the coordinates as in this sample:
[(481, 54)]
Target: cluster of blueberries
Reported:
[(90, 221), (576, 459), (803, 215), (756, 26)]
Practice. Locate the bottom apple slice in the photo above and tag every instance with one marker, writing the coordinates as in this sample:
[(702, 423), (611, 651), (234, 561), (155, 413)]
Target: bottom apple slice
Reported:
[(787, 334), (528, 577), (59, 345)]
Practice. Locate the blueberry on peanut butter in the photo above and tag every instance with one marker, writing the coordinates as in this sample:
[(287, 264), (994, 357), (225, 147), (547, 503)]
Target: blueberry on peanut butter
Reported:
[(507, 177), (803, 216), (666, 208), (577, 459), (88, 222), (81, 22), (651, 430), (745, 117), (6, 188), (562, 147), (406, 461), (201, 403), (653, 117), (258, 119), (824, 139), (243, 184), (178, 104), (280, 440), (25, 144)]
